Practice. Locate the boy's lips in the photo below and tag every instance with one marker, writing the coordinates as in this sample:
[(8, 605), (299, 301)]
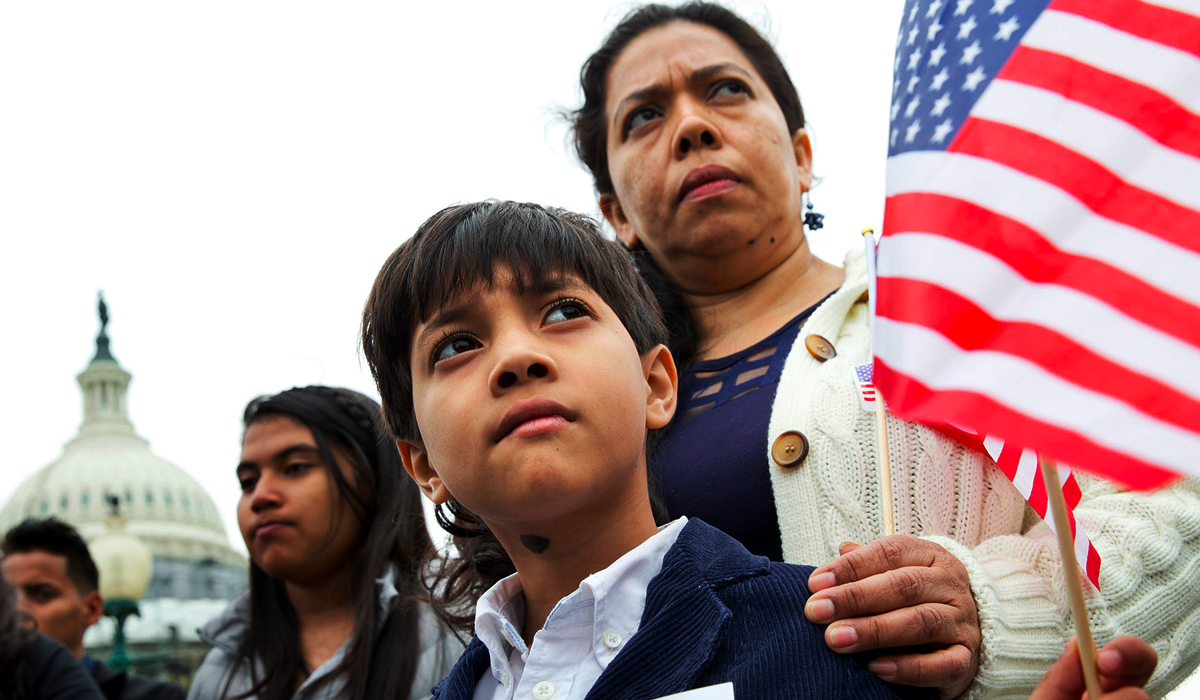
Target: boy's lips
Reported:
[(533, 416)]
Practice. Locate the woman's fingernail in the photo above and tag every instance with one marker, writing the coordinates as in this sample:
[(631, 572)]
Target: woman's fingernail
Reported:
[(1110, 661), (843, 635), (819, 609), (847, 543), (821, 581), (883, 669)]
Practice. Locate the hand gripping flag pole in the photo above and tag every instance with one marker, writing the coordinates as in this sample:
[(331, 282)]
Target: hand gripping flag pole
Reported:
[(881, 434)]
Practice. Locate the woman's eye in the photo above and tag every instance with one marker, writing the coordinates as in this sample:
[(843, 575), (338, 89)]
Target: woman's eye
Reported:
[(640, 117), (454, 346), (248, 483), (566, 311), (296, 468), (728, 88)]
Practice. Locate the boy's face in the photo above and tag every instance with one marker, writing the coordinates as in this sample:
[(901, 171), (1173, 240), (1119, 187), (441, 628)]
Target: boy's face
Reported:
[(534, 407)]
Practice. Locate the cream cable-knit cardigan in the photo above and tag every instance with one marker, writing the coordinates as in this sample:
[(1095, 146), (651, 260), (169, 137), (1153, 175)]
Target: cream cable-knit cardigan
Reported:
[(954, 496)]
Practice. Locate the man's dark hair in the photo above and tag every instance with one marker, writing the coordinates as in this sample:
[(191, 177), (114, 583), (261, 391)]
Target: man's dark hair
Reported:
[(456, 251), (56, 537)]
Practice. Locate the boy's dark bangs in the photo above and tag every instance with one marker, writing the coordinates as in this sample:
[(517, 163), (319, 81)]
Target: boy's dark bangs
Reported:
[(536, 249)]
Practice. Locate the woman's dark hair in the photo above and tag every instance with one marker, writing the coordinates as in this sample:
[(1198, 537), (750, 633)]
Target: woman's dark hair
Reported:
[(382, 657), (590, 130), (15, 633), (456, 251)]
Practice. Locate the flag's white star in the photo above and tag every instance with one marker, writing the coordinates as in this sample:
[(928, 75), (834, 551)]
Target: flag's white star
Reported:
[(933, 30), (965, 29), (895, 109), (942, 131), (974, 78), (912, 84), (911, 132), (935, 56), (913, 15), (912, 35), (1005, 31), (914, 58), (934, 7), (912, 107), (895, 133), (998, 7), (940, 79), (939, 107), (970, 53), (962, 7), (895, 86), (896, 65)]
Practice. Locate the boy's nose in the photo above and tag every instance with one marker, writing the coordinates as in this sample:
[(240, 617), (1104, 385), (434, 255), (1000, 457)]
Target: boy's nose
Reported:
[(521, 365), (536, 370)]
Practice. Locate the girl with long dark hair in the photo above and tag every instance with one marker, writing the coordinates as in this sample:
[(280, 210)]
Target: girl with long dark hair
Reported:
[(696, 140), (336, 536)]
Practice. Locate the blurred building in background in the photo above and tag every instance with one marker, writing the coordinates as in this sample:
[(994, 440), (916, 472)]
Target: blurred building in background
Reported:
[(195, 572)]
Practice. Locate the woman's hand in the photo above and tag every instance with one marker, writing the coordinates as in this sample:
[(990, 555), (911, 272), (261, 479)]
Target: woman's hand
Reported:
[(901, 591), (1125, 665)]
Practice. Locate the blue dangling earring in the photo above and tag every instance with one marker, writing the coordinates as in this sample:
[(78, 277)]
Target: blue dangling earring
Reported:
[(812, 219)]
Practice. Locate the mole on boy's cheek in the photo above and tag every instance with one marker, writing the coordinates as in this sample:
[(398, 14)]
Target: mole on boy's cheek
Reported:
[(535, 543)]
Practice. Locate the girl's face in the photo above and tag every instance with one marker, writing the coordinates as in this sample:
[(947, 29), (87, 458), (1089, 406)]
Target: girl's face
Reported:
[(702, 163), (289, 509)]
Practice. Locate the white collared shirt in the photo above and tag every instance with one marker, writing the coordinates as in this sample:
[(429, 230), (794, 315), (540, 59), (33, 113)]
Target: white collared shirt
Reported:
[(583, 633)]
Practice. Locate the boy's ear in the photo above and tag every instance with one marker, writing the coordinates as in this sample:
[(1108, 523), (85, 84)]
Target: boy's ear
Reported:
[(662, 386), (615, 215), (803, 148), (416, 463)]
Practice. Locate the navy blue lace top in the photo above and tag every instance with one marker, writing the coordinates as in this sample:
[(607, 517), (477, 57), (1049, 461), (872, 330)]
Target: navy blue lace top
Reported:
[(712, 462)]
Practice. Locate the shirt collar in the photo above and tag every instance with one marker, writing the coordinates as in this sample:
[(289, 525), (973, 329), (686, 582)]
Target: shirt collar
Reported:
[(618, 594)]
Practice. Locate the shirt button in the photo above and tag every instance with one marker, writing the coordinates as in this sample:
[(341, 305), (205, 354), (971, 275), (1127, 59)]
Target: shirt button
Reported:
[(505, 678), (790, 449), (819, 348), (543, 690), (612, 639)]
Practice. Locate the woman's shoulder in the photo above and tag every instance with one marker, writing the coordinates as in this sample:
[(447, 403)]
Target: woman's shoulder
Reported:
[(218, 668)]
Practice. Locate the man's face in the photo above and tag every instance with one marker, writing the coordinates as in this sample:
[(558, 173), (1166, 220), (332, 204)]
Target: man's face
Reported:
[(51, 597)]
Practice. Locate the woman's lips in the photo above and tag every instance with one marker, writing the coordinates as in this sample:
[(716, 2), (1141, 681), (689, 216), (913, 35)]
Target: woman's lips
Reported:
[(709, 189), (269, 529)]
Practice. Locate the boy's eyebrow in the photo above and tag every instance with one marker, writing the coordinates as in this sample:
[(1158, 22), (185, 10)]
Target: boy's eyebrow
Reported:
[(458, 313)]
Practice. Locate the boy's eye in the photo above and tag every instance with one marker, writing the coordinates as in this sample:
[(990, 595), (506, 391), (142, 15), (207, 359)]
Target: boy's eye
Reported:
[(247, 483), (567, 310), (728, 88), (640, 117), (454, 345)]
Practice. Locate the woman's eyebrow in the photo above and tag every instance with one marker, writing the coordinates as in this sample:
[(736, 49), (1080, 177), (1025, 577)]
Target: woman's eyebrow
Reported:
[(698, 76), (281, 455)]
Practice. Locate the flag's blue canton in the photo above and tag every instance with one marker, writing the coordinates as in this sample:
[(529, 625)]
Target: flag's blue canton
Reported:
[(864, 372), (947, 53)]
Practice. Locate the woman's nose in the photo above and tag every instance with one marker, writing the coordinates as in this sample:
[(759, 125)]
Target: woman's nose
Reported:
[(696, 132), (265, 496)]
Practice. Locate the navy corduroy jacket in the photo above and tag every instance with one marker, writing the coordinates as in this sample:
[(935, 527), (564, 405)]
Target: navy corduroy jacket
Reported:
[(715, 614)]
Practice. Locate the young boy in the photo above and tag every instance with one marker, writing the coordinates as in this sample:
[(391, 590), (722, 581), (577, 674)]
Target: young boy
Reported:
[(520, 359)]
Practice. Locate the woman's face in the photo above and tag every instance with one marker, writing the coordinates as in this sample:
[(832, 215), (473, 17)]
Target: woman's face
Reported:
[(287, 512), (702, 162)]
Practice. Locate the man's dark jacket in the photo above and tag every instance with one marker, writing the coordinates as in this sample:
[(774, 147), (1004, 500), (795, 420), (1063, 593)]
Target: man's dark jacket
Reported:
[(717, 613), (122, 686)]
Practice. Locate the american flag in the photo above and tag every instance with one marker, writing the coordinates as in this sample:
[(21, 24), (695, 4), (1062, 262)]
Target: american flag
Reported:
[(1039, 272), (866, 389)]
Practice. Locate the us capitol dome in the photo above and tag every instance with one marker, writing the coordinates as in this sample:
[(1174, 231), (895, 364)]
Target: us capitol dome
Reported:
[(195, 571)]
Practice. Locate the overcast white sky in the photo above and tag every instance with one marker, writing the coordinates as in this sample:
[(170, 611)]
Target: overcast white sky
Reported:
[(232, 174)]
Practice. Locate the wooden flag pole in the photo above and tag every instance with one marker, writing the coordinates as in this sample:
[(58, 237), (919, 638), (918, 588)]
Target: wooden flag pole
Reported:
[(1066, 547), (881, 434), (885, 464)]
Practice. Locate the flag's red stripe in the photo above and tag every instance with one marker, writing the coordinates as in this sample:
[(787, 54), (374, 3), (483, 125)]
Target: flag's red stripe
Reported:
[(1158, 24), (1037, 494), (1037, 260), (911, 400), (973, 328), (1097, 187), (1009, 459), (1151, 112), (1093, 565), (1071, 491)]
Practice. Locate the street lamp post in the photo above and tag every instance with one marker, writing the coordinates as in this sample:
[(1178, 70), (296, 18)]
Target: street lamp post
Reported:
[(124, 562)]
